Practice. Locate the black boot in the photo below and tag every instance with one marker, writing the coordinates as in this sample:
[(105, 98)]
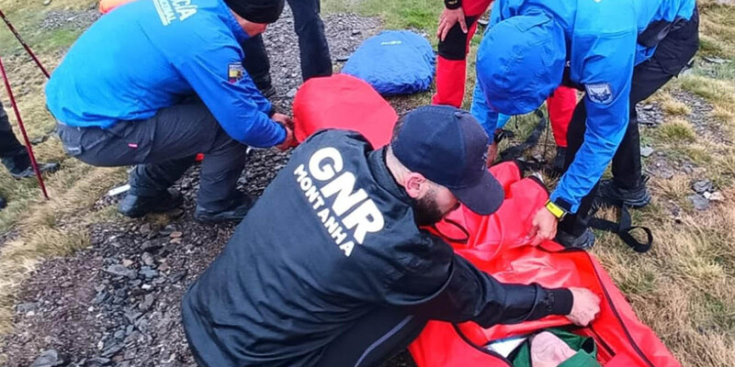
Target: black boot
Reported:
[(237, 211), (584, 241), (634, 198), (135, 206), (28, 171)]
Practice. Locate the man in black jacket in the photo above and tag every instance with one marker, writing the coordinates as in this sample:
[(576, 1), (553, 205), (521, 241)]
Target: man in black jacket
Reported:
[(331, 266)]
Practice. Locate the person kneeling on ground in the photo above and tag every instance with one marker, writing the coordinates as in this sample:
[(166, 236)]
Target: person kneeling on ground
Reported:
[(331, 266), (153, 83)]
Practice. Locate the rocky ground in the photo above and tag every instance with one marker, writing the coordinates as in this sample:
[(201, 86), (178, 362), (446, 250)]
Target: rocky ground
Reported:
[(116, 303)]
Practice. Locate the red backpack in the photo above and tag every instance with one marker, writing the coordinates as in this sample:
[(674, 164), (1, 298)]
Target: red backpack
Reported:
[(496, 244)]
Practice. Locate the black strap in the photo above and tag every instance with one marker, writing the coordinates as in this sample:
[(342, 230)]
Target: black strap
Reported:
[(624, 228), (514, 152), (463, 240)]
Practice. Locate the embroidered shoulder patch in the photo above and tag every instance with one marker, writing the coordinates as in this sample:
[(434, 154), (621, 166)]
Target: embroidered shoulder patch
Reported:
[(599, 93), (234, 72)]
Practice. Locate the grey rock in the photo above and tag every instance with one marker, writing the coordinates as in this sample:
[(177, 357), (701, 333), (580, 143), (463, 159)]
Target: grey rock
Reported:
[(101, 297), (147, 272), (112, 350), (147, 302), (145, 229), (151, 246), (291, 93), (132, 316), (702, 186), (699, 201), (129, 330), (24, 308), (715, 60), (48, 358), (120, 271), (142, 325), (119, 335), (646, 151), (46, 2), (178, 276), (97, 362), (147, 259)]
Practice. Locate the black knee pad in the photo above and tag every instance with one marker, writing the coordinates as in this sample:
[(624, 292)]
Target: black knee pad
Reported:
[(454, 46)]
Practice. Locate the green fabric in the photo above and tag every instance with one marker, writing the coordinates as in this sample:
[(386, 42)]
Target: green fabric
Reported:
[(586, 355)]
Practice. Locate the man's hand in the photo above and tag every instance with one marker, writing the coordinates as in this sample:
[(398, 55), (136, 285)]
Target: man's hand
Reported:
[(544, 227), (288, 125), (448, 19), (585, 307), (282, 119), (492, 153)]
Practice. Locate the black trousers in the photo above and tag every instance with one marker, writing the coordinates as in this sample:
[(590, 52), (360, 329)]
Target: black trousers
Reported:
[(313, 47), (14, 154), (672, 54), (163, 148), (370, 342)]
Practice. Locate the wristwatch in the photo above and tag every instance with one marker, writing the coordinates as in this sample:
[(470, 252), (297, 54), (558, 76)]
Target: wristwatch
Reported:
[(556, 210)]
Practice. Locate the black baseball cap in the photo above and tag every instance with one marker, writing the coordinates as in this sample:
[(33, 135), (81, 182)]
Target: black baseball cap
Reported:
[(449, 147), (257, 11)]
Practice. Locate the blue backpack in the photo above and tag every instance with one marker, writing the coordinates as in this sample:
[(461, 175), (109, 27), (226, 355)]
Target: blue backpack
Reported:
[(394, 62)]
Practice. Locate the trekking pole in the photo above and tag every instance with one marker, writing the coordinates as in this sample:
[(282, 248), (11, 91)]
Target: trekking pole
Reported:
[(34, 164), (23, 43)]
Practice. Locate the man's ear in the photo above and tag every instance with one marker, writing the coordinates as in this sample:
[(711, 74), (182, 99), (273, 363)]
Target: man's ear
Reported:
[(415, 184)]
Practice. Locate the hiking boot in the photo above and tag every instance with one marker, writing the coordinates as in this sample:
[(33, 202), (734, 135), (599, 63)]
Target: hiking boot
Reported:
[(28, 171), (561, 154), (235, 214), (634, 198), (269, 92), (585, 241), (135, 206)]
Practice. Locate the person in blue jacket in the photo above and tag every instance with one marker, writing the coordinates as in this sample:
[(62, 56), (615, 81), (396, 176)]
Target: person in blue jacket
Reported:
[(617, 52), (155, 82)]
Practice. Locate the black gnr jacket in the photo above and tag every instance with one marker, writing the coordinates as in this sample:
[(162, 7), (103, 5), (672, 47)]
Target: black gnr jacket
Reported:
[(332, 239)]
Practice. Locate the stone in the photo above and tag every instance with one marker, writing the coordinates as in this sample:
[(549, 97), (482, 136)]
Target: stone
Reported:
[(101, 297), (646, 151), (120, 271), (699, 201), (112, 350), (291, 93), (147, 302), (46, 2), (151, 246), (97, 361), (647, 107), (26, 307), (715, 60), (147, 272), (145, 229), (702, 186), (126, 263), (176, 234), (714, 196), (147, 259), (178, 276), (48, 358)]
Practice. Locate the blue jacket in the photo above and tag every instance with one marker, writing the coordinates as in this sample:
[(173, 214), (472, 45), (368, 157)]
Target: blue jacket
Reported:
[(152, 54), (603, 48)]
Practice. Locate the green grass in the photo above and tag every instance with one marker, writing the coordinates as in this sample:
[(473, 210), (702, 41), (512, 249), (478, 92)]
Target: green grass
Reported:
[(421, 15)]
